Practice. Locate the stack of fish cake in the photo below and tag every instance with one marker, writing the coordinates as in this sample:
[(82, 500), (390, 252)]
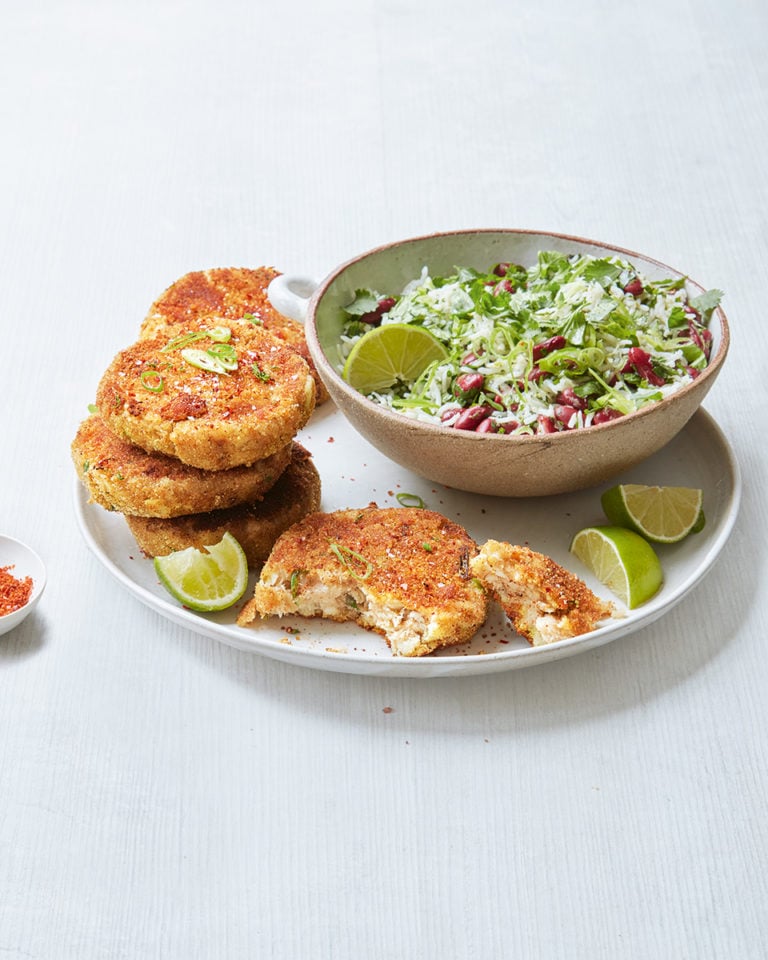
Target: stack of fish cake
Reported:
[(194, 429)]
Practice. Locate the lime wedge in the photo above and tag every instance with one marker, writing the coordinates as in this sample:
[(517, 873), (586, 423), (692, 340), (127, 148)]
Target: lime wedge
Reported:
[(660, 514), (622, 560), (207, 580), (391, 353)]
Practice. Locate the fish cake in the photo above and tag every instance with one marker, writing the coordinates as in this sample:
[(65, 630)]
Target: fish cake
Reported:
[(256, 526), (227, 295), (400, 572), (121, 476), (544, 601), (215, 398)]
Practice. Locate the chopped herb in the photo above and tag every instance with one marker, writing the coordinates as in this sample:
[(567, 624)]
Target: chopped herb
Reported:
[(259, 373), (295, 577), (352, 561), (410, 500), (253, 318), (152, 381)]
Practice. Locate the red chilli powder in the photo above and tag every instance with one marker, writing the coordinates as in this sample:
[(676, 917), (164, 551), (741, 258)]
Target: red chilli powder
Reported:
[(13, 593)]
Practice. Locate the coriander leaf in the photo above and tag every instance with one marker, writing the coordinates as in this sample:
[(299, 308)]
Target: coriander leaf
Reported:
[(705, 303), (365, 302), (603, 271)]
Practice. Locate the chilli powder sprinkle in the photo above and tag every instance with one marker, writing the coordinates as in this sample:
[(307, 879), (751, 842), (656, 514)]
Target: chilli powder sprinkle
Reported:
[(14, 593)]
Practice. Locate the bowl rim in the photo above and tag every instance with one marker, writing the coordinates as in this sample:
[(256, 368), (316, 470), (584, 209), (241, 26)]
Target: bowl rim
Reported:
[(563, 437)]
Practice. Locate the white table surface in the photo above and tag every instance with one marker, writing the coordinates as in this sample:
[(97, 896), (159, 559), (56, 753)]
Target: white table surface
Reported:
[(164, 795)]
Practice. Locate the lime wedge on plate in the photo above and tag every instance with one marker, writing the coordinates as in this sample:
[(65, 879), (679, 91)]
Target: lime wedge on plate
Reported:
[(390, 353), (660, 514), (207, 580), (622, 560)]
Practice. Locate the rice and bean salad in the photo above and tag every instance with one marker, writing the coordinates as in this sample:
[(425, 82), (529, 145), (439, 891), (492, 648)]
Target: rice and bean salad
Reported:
[(571, 341)]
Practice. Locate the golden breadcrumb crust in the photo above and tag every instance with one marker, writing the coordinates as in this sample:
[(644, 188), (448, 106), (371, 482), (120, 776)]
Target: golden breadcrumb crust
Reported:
[(256, 526), (152, 397), (121, 476), (401, 572), (226, 294), (544, 601)]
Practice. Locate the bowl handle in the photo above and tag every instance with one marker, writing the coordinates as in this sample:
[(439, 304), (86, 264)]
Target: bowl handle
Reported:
[(290, 295)]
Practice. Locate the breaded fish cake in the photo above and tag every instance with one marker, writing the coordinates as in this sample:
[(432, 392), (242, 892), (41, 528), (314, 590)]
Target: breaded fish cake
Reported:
[(401, 572), (226, 295), (256, 526), (214, 399), (121, 476), (544, 601)]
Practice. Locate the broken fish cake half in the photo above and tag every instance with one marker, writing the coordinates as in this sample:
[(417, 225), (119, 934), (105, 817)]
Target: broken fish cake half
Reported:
[(544, 601), (227, 295), (401, 572), (214, 397)]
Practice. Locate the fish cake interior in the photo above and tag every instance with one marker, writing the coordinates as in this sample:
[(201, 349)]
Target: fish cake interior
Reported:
[(401, 572)]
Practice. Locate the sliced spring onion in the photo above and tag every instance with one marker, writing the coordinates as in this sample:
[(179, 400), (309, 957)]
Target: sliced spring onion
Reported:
[(220, 334), (152, 381), (226, 354), (203, 360), (410, 500), (351, 560)]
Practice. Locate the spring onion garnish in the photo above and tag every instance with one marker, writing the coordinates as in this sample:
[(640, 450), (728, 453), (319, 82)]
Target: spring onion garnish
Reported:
[(411, 500), (203, 360), (259, 373), (352, 561), (226, 354), (220, 334), (92, 408), (295, 577), (152, 381), (253, 318), (217, 334)]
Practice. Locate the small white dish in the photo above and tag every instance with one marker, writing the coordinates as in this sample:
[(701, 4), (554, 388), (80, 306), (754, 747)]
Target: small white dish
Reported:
[(24, 562)]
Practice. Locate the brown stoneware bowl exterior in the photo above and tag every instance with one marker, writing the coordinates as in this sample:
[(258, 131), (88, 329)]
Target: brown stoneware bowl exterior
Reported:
[(488, 463)]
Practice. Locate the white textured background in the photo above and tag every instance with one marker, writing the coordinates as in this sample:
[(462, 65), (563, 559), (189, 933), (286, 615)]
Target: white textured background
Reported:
[(163, 796)]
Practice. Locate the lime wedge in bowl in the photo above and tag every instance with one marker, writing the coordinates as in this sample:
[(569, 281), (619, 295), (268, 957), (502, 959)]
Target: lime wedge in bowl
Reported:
[(391, 353)]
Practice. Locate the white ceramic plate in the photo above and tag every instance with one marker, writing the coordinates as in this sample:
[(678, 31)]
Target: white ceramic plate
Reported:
[(354, 474)]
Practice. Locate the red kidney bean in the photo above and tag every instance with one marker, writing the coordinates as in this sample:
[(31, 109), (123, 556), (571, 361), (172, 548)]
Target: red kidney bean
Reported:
[(501, 269), (545, 424), (634, 287), (448, 413), (508, 426), (470, 418), (606, 414), (468, 384), (692, 372), (564, 412), (569, 396), (536, 374), (641, 361), (547, 346), (487, 426), (373, 317)]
